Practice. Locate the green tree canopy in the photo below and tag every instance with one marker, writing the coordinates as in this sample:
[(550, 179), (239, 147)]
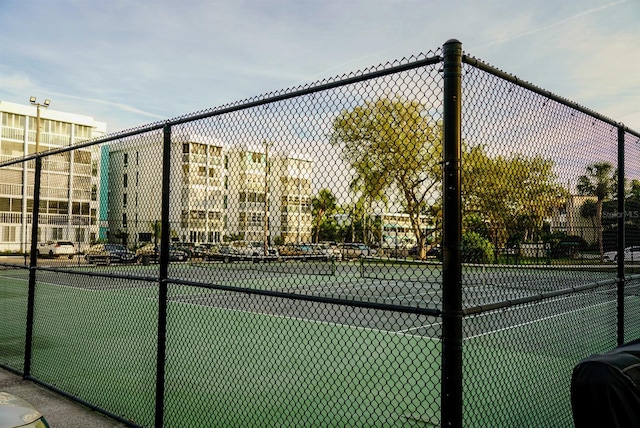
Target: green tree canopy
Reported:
[(392, 143), (512, 194), (322, 205)]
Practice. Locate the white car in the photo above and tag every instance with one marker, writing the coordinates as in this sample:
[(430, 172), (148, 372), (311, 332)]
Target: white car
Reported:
[(356, 250), (56, 249), (631, 254)]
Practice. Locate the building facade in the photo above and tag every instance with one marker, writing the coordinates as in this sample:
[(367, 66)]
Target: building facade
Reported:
[(69, 183), (217, 191), (567, 219)]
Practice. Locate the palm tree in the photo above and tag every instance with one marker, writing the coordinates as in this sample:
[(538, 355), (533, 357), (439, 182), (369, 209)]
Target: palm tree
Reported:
[(588, 211), (599, 181)]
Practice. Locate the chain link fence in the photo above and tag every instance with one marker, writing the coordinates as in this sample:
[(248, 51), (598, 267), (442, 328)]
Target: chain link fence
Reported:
[(294, 259)]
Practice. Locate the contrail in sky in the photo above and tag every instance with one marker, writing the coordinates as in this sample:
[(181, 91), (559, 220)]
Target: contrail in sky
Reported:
[(555, 24)]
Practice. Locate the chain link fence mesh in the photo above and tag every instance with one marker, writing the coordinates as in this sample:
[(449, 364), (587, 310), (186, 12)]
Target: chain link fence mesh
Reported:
[(303, 280)]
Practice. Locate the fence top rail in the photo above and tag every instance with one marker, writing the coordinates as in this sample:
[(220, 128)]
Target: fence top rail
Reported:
[(474, 62), (272, 97)]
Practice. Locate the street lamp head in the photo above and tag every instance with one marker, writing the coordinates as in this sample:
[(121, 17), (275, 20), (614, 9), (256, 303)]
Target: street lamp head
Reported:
[(46, 103)]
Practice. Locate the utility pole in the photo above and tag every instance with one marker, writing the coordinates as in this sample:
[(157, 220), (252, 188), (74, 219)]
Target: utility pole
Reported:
[(45, 104), (266, 198)]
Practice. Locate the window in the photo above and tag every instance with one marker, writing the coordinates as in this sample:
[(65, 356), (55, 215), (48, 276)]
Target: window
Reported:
[(126, 159), (9, 234), (56, 233), (124, 200), (124, 180), (80, 234), (124, 219), (11, 120)]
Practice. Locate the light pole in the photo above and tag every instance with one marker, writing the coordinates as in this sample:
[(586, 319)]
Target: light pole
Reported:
[(266, 198), (45, 104)]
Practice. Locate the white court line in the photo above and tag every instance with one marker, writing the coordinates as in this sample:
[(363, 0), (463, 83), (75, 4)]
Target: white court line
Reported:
[(492, 313), (536, 320)]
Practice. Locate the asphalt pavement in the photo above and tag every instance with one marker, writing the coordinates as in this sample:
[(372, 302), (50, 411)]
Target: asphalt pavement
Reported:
[(59, 411)]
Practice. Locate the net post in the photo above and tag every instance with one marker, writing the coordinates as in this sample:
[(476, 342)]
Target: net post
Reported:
[(451, 397)]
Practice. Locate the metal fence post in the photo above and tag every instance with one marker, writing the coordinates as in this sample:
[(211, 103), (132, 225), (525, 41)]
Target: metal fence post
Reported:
[(164, 268), (621, 236), (451, 398), (32, 266)]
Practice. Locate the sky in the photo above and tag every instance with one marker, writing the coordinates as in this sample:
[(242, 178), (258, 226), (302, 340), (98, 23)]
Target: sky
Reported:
[(133, 62)]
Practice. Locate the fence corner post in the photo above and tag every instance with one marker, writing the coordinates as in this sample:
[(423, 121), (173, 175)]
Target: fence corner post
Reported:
[(164, 267), (621, 217), (451, 396)]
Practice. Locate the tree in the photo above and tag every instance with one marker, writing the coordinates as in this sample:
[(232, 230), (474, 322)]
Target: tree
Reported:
[(322, 205), (599, 181), (513, 195), (393, 143), (589, 210)]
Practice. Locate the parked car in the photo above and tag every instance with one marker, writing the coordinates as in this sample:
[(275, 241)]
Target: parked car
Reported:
[(253, 249), (291, 250), (109, 253), (631, 254), (326, 252), (16, 412), (332, 249), (202, 250), (151, 253), (188, 247), (356, 250), (56, 249)]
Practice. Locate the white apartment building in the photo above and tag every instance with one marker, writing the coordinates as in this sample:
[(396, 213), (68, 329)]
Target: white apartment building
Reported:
[(215, 191), (285, 184), (293, 191), (396, 230), (567, 218), (69, 182), (134, 186)]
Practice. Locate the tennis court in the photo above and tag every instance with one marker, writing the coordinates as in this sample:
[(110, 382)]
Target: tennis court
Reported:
[(240, 355)]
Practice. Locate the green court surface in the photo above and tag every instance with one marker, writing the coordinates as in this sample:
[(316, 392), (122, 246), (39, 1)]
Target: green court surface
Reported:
[(242, 359)]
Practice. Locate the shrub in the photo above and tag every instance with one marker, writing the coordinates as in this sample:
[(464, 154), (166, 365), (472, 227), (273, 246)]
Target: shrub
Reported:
[(476, 249)]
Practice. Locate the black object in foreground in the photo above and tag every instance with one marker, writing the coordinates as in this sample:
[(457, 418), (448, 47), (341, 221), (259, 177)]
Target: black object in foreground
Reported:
[(605, 389)]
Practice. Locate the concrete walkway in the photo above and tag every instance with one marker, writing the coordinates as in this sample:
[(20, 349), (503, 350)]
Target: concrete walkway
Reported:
[(59, 411)]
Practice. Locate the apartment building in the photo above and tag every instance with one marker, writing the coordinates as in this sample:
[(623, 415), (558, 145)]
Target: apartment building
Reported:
[(396, 230), (216, 191), (134, 183), (567, 218), (266, 184), (69, 183), (293, 192)]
